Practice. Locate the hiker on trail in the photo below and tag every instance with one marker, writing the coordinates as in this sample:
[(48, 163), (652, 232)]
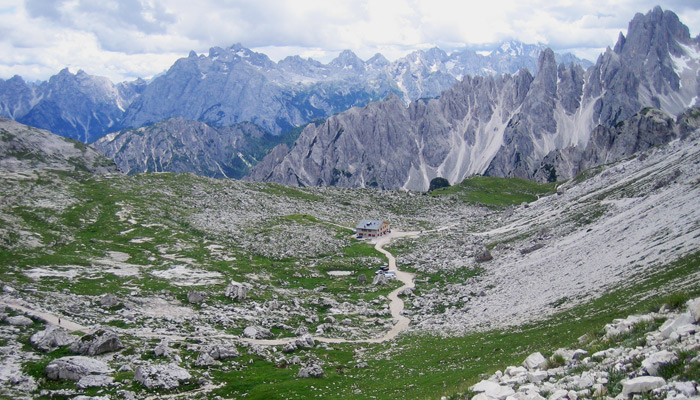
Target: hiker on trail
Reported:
[(59, 320)]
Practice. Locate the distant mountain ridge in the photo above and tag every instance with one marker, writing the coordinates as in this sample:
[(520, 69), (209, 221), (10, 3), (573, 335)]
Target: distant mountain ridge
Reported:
[(505, 125), (179, 145), (233, 85)]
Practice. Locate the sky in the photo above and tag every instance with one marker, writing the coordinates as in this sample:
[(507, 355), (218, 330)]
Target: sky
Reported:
[(127, 39)]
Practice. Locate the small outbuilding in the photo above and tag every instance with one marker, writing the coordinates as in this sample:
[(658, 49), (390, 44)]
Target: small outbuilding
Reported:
[(369, 228)]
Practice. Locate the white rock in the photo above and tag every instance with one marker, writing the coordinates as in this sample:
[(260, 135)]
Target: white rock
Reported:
[(50, 338), (75, 367), (536, 376), (535, 361), (515, 371), (652, 363), (161, 376), (19, 320), (694, 309), (686, 330), (670, 326), (599, 390), (89, 381), (686, 388), (493, 389), (641, 384), (559, 395)]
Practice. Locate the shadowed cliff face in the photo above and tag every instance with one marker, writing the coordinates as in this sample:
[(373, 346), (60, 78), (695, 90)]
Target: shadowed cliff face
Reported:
[(505, 126), (178, 145)]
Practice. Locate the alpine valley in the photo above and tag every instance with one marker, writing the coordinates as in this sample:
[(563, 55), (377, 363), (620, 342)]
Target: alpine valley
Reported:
[(134, 267)]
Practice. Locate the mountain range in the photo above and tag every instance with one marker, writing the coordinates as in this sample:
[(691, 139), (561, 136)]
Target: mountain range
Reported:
[(235, 84), (536, 127)]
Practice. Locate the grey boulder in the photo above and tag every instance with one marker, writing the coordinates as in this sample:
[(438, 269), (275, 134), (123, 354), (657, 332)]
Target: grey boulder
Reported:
[(161, 376), (51, 338), (19, 320), (75, 367), (311, 371), (101, 341), (257, 332)]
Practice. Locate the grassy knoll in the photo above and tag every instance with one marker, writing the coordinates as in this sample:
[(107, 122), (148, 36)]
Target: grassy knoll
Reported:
[(497, 192)]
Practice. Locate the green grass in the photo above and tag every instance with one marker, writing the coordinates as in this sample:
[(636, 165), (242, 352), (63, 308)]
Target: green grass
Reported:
[(422, 366), (413, 366), (497, 192)]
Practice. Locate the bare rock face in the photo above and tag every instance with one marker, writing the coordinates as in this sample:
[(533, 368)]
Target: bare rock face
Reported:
[(179, 145), (25, 148), (162, 349), (646, 129), (89, 381), (161, 376), (535, 361), (51, 338), (101, 341), (75, 367), (694, 309)]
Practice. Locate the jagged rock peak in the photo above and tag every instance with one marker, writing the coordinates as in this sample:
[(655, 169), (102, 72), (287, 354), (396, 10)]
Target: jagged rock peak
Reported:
[(346, 59), (655, 29), (378, 60)]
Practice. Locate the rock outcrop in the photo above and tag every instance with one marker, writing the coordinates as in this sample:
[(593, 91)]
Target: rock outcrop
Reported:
[(25, 148), (76, 367), (585, 376)]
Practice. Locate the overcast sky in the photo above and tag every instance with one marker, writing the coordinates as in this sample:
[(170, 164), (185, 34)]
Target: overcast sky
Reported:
[(125, 39)]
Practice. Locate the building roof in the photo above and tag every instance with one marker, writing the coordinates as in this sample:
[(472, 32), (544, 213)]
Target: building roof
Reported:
[(372, 224)]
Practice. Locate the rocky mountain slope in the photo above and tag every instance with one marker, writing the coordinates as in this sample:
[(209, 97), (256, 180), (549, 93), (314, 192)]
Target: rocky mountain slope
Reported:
[(24, 148), (233, 85), (178, 145), (236, 84), (78, 106), (202, 287), (501, 126)]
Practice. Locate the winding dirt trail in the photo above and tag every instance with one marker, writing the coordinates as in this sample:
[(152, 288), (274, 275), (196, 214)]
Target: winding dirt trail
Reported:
[(396, 306)]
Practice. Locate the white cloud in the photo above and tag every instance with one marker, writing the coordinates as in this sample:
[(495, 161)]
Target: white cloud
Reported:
[(123, 39)]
